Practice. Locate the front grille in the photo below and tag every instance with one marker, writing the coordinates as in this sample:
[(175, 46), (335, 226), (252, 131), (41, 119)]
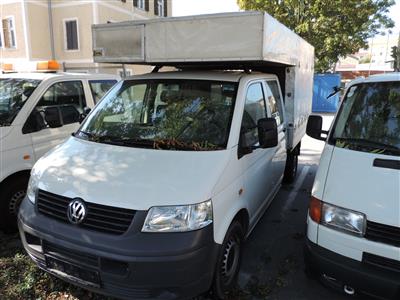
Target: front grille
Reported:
[(383, 233), (382, 262), (102, 218)]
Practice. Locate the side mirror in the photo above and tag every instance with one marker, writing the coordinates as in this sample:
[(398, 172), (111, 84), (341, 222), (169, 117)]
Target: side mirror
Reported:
[(83, 115), (267, 132), (52, 117), (314, 128)]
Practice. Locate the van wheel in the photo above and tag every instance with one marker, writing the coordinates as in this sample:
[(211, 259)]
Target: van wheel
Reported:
[(292, 162), (11, 197), (228, 261)]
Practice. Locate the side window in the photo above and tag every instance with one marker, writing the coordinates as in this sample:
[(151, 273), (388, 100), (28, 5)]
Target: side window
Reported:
[(275, 102), (68, 97), (100, 87), (254, 110)]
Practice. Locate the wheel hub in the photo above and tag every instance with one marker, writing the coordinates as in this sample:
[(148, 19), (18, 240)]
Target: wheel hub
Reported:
[(15, 202), (230, 259)]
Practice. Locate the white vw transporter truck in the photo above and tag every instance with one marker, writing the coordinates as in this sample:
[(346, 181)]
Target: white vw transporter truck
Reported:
[(154, 195)]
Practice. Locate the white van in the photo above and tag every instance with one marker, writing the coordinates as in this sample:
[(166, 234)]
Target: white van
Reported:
[(37, 112), (353, 231), (155, 193)]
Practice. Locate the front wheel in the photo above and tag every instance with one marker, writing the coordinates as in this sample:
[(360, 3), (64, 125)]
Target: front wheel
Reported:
[(11, 197), (228, 261)]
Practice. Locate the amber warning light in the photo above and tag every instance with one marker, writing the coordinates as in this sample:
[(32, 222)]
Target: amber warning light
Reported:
[(50, 65)]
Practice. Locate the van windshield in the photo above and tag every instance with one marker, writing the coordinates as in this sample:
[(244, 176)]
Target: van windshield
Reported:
[(369, 119), (193, 115), (14, 92)]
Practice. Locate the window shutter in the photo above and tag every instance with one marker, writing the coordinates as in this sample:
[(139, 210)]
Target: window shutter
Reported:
[(165, 8), (135, 3), (72, 35), (156, 7), (6, 33), (147, 5)]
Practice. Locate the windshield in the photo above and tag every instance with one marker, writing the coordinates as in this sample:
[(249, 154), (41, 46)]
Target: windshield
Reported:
[(13, 94), (369, 119), (164, 114)]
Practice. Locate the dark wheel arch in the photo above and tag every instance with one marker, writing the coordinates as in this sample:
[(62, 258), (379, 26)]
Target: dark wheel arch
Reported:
[(12, 191)]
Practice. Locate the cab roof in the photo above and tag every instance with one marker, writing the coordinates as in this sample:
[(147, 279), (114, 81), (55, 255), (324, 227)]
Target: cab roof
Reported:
[(43, 76), (395, 76), (232, 76)]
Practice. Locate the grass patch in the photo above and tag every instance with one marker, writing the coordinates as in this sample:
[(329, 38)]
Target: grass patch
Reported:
[(20, 278)]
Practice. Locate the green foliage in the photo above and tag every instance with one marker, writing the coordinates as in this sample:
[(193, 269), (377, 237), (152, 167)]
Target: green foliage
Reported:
[(365, 60), (335, 28), (395, 53)]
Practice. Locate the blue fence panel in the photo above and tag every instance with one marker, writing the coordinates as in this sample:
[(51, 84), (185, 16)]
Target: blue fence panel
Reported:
[(323, 87)]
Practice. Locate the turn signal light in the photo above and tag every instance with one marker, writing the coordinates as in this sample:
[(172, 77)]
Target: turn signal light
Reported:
[(48, 65), (315, 209), (8, 67)]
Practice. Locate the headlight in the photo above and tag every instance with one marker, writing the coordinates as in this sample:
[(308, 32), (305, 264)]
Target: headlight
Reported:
[(32, 188), (178, 218), (343, 219)]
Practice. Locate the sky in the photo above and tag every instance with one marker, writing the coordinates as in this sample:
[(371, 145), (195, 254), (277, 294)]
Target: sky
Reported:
[(197, 7)]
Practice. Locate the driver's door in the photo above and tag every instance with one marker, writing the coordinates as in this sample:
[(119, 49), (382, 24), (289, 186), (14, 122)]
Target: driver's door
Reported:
[(257, 165), (69, 98)]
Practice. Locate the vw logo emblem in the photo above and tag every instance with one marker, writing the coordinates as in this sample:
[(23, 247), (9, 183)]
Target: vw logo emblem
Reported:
[(76, 212)]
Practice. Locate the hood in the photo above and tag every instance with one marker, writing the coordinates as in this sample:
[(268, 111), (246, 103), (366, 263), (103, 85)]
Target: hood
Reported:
[(128, 177), (354, 182)]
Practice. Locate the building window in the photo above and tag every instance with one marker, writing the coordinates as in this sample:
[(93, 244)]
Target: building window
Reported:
[(8, 37), (1, 36), (160, 8), (71, 34), (141, 4)]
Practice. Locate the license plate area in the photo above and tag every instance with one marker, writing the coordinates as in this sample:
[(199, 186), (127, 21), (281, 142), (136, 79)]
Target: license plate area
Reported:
[(72, 272)]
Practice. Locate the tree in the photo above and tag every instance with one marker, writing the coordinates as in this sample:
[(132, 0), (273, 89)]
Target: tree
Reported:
[(335, 28)]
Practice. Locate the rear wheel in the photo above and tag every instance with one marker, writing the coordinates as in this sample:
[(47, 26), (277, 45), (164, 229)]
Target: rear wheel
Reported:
[(292, 162), (11, 197), (228, 262)]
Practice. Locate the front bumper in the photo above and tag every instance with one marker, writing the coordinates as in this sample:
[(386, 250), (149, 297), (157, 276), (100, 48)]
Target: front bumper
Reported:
[(133, 265), (377, 279)]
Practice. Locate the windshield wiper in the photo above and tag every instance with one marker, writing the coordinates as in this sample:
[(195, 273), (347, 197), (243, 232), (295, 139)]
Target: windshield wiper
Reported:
[(368, 143), (127, 142)]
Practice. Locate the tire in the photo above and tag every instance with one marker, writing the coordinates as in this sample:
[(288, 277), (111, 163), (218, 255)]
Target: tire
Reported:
[(11, 197), (292, 162), (228, 261)]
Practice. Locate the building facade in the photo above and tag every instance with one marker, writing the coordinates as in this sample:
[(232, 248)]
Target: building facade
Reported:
[(37, 30), (375, 59)]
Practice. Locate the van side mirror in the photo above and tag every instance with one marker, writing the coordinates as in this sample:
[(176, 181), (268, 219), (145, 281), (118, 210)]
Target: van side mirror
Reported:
[(314, 128), (267, 132), (52, 117), (86, 111)]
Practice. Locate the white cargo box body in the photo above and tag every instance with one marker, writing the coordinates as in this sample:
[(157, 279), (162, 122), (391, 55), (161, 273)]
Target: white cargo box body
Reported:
[(252, 40)]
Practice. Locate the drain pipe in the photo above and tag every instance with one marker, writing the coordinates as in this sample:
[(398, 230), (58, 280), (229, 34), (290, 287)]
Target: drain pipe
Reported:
[(53, 54)]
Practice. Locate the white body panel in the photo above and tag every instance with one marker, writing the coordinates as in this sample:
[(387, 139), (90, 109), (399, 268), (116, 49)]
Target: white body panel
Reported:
[(18, 151), (349, 179)]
